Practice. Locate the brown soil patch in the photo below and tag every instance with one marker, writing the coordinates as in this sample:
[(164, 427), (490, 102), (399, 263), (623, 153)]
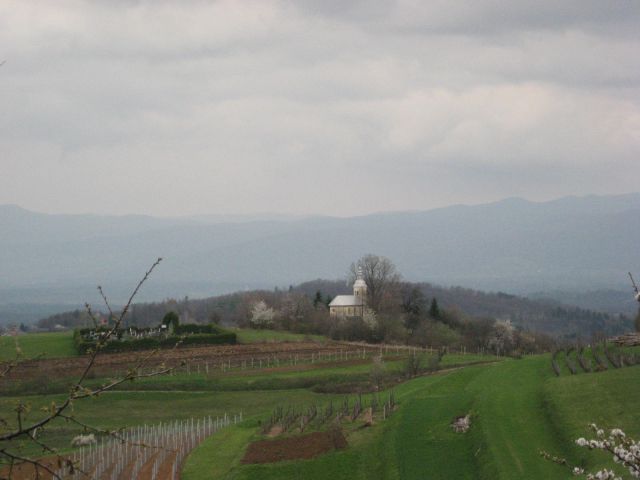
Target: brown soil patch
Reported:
[(275, 431), (294, 448)]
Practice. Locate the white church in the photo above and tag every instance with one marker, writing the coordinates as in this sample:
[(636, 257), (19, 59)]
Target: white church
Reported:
[(344, 306)]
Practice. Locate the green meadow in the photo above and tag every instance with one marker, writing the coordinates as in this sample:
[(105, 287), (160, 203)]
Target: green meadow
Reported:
[(518, 407), (60, 344), (45, 345)]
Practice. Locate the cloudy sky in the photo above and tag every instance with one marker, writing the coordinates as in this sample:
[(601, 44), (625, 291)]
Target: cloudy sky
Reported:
[(328, 107)]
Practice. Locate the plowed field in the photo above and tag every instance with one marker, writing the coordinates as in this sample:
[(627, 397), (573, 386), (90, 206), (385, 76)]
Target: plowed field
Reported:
[(212, 356)]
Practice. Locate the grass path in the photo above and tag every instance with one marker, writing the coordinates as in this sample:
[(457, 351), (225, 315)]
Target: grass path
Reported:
[(425, 444), (513, 421)]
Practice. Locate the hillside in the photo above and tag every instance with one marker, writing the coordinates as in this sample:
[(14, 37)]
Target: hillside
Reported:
[(542, 316)]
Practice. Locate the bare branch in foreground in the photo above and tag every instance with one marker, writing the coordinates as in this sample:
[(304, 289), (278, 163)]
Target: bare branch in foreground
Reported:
[(27, 430)]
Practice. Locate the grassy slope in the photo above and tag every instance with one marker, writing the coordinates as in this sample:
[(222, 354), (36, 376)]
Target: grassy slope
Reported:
[(518, 408), (608, 399), (164, 400), (59, 344), (373, 453), (513, 422)]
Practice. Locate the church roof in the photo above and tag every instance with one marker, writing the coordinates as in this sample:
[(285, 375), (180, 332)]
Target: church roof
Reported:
[(346, 301)]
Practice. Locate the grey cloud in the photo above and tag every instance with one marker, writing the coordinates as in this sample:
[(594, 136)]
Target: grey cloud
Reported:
[(314, 107)]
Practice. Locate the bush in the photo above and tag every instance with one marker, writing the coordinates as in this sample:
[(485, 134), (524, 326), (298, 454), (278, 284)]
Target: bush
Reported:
[(412, 364), (195, 328), (433, 364), (171, 318), (148, 343)]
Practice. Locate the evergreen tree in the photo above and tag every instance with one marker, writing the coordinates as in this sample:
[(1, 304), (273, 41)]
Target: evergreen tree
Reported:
[(434, 309), (318, 299), (328, 300), (171, 318)]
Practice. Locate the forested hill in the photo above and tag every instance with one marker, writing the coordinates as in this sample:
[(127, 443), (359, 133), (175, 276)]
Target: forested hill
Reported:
[(534, 315), (546, 316)]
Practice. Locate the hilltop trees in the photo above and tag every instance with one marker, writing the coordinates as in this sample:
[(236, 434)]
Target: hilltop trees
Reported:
[(317, 300), (382, 279), (434, 309), (413, 305)]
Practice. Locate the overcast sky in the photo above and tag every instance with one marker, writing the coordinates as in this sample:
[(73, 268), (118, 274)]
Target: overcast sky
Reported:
[(327, 107)]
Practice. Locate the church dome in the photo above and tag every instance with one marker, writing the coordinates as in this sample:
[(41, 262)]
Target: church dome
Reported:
[(360, 283)]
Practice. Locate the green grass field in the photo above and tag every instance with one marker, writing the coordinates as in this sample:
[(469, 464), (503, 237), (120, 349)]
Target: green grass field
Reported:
[(60, 344), (518, 408), (48, 345)]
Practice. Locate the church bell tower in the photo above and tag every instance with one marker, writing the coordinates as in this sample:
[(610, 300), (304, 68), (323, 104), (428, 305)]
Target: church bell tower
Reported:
[(360, 288)]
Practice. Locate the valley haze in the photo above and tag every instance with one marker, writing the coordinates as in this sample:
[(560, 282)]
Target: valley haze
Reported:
[(575, 249)]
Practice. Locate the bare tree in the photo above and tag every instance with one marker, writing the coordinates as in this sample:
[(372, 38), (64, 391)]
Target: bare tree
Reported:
[(15, 435), (381, 277)]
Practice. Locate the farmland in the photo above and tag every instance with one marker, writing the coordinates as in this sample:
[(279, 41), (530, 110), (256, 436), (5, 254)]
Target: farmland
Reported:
[(49, 345), (517, 407)]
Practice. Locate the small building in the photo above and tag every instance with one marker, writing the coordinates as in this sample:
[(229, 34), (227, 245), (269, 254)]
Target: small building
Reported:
[(344, 306)]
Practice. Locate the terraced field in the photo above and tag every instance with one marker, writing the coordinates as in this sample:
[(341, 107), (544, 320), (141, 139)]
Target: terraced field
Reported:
[(518, 407)]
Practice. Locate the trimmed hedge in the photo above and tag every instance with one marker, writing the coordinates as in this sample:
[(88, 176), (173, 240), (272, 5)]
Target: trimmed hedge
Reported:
[(195, 328), (220, 338)]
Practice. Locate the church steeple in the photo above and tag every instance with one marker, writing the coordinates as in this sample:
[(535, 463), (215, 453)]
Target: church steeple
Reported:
[(360, 287)]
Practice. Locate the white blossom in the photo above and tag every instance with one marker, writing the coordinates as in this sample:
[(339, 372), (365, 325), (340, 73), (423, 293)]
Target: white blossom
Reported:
[(625, 450), (261, 315)]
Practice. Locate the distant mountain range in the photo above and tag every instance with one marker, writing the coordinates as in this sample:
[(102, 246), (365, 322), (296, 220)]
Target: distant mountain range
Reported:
[(561, 249)]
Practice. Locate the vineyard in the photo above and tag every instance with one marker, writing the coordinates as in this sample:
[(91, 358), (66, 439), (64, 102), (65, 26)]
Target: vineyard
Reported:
[(146, 452), (299, 420), (220, 358), (589, 359)]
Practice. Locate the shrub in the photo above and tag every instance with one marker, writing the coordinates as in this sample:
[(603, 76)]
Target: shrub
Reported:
[(412, 364), (195, 328), (171, 318), (83, 345), (434, 361)]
